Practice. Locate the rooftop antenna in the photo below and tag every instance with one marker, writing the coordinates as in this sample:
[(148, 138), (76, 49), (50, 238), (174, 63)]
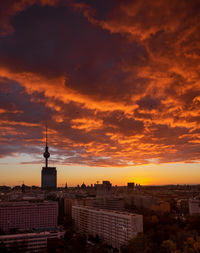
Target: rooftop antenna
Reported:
[(46, 135)]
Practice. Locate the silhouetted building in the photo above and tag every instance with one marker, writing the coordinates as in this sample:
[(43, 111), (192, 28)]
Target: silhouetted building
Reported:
[(130, 185), (107, 185), (83, 186), (49, 178), (103, 189), (23, 188), (49, 174)]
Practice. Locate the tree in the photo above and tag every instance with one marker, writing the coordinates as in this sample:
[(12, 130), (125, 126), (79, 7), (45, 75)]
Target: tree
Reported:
[(78, 244), (136, 245), (3, 248), (168, 246)]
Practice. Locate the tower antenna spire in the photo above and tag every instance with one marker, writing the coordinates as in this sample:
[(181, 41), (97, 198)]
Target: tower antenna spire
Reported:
[(46, 134)]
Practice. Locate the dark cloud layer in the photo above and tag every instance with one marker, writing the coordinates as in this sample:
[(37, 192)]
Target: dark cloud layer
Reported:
[(118, 81)]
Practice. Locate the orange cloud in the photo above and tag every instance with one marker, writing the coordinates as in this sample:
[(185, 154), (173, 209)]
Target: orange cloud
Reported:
[(86, 124), (121, 88), (37, 83)]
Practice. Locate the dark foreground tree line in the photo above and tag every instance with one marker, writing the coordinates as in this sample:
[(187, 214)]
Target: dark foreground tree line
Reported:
[(166, 235), (162, 234)]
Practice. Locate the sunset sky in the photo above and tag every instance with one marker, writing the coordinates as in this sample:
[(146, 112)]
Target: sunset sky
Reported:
[(117, 81)]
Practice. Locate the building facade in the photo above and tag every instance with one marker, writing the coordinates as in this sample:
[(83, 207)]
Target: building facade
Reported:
[(115, 228), (30, 242), (194, 207), (103, 189), (49, 178), (110, 203), (28, 215), (148, 203), (68, 203)]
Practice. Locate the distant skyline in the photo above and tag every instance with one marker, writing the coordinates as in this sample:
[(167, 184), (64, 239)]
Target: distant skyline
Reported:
[(117, 82), (173, 173)]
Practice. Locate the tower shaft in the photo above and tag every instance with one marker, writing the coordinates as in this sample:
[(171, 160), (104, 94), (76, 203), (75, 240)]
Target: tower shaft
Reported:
[(46, 153)]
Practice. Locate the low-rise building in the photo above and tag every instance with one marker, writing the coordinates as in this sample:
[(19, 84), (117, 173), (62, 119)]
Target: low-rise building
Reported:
[(130, 186), (194, 207), (68, 203), (161, 206), (183, 206), (109, 203), (150, 203), (29, 242)]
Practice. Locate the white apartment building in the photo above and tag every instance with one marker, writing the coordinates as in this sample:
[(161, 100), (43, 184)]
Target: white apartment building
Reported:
[(30, 242), (115, 228)]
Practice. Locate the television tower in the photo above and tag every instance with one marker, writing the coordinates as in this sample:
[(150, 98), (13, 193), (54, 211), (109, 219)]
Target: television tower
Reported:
[(48, 174), (46, 153)]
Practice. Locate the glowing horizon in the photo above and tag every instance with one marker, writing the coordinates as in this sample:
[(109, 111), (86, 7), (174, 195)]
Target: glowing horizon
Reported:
[(149, 174)]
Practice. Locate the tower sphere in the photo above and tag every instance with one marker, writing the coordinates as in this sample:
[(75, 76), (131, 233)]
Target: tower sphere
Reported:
[(46, 154)]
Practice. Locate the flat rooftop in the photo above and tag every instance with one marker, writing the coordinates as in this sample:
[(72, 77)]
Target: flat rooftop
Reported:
[(106, 211), (25, 203)]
